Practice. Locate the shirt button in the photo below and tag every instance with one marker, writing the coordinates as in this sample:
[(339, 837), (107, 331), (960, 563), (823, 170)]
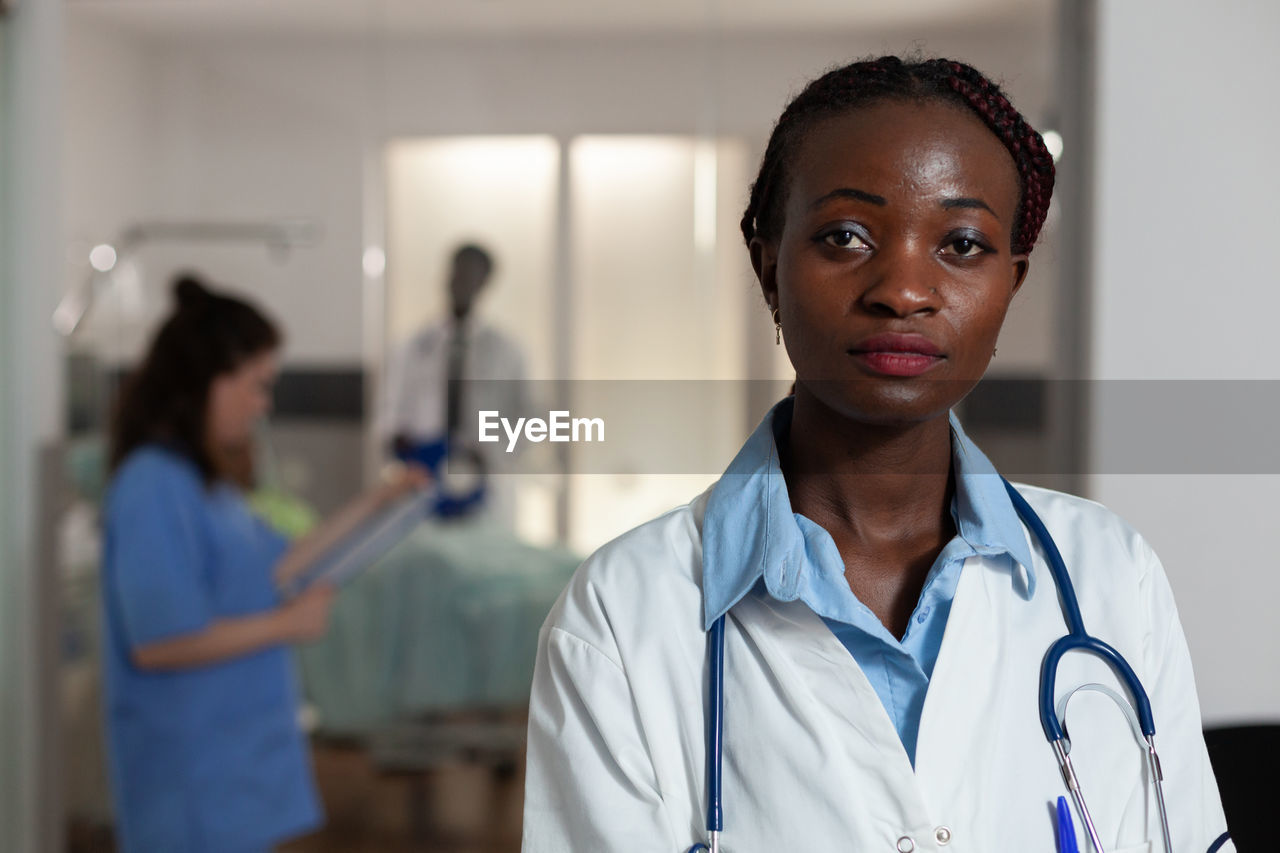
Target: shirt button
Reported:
[(923, 615), (942, 835), (905, 844)]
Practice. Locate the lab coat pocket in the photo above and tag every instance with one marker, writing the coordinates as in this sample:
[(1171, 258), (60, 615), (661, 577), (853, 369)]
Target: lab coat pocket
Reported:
[(1141, 848)]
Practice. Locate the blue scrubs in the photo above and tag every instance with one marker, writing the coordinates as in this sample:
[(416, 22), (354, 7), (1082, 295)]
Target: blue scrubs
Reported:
[(209, 758)]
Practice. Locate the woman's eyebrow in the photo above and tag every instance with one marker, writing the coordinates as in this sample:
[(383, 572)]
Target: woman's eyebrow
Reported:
[(949, 203), (847, 192), (880, 201)]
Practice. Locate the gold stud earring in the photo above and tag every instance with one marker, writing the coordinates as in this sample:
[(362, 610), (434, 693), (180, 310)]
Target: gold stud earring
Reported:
[(777, 328)]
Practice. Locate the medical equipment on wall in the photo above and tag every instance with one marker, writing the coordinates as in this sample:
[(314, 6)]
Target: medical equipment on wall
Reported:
[(1050, 717), (110, 261)]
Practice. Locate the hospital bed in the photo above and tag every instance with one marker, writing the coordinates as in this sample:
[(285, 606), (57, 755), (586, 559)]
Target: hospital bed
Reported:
[(429, 655)]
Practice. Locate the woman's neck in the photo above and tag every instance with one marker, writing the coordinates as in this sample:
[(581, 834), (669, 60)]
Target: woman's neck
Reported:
[(882, 492), (869, 483)]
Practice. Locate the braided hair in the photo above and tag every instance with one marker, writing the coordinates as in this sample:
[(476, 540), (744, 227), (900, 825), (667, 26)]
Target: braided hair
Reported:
[(889, 78)]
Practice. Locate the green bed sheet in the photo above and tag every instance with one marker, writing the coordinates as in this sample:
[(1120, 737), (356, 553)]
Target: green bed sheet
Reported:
[(446, 621)]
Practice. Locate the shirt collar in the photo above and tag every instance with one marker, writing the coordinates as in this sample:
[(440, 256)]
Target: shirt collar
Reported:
[(749, 531)]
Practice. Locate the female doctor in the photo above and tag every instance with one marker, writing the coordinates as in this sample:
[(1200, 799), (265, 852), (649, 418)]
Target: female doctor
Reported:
[(886, 606)]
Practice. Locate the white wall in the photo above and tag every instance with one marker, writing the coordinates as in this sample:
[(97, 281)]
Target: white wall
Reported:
[(1187, 288), (109, 118), (110, 110)]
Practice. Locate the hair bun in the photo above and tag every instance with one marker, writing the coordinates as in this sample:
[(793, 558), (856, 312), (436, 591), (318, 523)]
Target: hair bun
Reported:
[(190, 291)]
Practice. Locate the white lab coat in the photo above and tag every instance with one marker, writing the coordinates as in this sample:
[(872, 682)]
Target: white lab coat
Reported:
[(417, 379), (617, 727)]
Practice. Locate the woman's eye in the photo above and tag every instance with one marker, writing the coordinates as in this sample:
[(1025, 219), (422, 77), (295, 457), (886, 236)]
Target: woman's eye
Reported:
[(844, 239), (965, 247)]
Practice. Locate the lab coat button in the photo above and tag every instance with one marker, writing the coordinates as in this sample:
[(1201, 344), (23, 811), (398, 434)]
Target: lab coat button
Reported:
[(942, 835), (905, 844)]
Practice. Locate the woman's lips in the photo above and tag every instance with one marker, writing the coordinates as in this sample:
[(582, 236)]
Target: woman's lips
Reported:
[(897, 355)]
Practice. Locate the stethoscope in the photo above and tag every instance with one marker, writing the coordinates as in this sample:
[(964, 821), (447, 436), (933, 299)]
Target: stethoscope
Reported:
[(1077, 638)]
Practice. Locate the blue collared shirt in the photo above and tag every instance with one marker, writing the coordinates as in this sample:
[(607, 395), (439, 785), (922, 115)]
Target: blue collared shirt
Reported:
[(752, 539)]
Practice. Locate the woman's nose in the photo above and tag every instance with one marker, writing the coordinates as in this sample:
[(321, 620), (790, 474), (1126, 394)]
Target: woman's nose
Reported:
[(902, 284)]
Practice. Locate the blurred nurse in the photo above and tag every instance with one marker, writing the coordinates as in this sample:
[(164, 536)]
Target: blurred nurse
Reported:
[(206, 752)]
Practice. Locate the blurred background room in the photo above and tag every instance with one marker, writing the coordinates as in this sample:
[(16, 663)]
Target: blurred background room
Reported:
[(326, 159)]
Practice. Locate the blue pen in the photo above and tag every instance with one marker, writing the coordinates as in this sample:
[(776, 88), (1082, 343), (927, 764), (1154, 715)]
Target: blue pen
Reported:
[(1066, 829)]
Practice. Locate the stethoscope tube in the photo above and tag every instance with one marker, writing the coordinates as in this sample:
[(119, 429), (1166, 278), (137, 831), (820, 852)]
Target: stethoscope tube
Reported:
[(1077, 637), (715, 736), (715, 808)]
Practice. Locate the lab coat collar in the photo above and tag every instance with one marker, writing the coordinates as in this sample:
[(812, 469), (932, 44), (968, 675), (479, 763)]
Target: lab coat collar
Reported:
[(749, 531)]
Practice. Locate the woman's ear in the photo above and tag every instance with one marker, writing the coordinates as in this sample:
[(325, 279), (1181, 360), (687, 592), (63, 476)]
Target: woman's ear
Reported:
[(1021, 263), (764, 260)]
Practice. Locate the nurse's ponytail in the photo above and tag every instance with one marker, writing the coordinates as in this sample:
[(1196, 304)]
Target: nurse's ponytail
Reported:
[(166, 398), (190, 293)]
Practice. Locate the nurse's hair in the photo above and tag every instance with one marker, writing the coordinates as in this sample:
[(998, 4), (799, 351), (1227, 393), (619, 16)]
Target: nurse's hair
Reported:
[(889, 78), (166, 399)]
